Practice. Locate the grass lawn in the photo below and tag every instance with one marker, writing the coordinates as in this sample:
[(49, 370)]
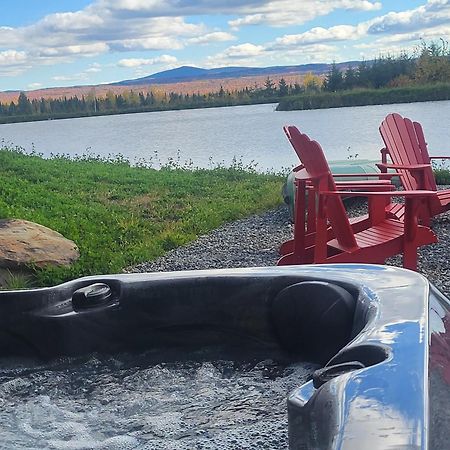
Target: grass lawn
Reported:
[(120, 215)]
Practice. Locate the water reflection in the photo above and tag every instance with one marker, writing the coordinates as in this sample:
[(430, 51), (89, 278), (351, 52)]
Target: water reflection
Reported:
[(251, 133), (393, 429)]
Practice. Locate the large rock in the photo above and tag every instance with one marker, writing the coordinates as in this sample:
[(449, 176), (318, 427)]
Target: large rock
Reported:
[(23, 243)]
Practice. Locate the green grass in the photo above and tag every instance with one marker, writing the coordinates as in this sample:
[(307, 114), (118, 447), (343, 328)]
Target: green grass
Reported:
[(120, 215), (442, 176), (15, 280)]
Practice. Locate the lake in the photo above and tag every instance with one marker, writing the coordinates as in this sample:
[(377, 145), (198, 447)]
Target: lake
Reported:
[(253, 134)]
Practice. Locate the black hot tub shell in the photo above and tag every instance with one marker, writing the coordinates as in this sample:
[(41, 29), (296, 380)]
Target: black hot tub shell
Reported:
[(381, 335)]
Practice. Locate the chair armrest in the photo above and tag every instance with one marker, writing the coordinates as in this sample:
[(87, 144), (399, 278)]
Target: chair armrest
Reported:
[(406, 194), (368, 187), (406, 167), (364, 183), (439, 157), (355, 175), (304, 175)]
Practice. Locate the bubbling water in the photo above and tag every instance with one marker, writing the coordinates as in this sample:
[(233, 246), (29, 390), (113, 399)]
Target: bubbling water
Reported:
[(138, 402)]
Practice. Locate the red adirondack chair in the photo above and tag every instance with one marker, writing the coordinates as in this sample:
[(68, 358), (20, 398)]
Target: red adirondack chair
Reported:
[(381, 183), (333, 239), (407, 149)]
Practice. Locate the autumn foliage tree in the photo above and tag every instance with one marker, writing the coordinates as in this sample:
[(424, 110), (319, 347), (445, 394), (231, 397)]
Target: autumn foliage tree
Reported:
[(433, 63)]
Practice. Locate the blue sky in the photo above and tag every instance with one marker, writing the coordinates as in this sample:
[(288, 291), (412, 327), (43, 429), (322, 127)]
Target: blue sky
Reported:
[(79, 42)]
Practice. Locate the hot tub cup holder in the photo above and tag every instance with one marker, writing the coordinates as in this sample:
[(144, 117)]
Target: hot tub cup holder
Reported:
[(93, 296)]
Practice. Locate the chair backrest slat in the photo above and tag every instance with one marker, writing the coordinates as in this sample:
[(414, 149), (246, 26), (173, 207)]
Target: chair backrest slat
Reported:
[(405, 143), (425, 155), (397, 149), (314, 161)]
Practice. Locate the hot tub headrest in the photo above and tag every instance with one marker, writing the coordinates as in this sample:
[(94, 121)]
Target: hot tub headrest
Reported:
[(313, 319)]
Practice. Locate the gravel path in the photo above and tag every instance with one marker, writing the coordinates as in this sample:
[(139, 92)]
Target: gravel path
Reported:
[(253, 242), (250, 242)]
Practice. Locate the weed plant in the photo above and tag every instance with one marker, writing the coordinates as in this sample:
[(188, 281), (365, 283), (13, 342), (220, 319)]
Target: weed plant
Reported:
[(441, 171), (121, 214)]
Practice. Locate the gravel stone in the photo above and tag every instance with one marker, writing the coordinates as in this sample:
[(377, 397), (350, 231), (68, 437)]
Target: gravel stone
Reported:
[(250, 242), (254, 242)]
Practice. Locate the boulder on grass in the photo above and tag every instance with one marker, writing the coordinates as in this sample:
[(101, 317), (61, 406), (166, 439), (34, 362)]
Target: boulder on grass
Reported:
[(24, 243)]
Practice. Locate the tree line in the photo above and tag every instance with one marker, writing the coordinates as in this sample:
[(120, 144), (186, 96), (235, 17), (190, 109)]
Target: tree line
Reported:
[(153, 100), (430, 63)]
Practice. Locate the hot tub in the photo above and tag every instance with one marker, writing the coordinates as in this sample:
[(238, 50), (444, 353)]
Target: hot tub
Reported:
[(375, 339)]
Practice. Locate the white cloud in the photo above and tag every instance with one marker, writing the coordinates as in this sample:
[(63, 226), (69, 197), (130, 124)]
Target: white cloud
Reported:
[(138, 62), (76, 77), (243, 54), (109, 26), (149, 43), (243, 51), (217, 36), (393, 32), (278, 13), (62, 37), (432, 14), (155, 8), (402, 31), (13, 63), (12, 58), (319, 34), (94, 68), (82, 49), (256, 55), (34, 86), (83, 76), (71, 21), (254, 11)]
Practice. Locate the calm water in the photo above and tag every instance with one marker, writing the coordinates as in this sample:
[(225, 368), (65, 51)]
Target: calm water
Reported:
[(249, 133), (129, 402)]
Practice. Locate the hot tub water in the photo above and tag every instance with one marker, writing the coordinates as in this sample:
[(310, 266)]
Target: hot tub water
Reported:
[(138, 402)]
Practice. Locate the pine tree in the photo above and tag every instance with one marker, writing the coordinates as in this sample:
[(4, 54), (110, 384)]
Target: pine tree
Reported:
[(282, 88), (269, 87), (350, 78), (333, 80), (23, 105)]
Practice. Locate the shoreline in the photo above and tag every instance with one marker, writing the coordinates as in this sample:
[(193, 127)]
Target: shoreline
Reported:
[(302, 102)]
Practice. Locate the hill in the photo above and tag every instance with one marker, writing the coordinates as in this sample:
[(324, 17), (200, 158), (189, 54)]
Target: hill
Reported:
[(185, 80), (189, 73)]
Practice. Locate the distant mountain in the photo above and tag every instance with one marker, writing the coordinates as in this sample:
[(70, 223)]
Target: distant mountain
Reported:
[(188, 73), (194, 77)]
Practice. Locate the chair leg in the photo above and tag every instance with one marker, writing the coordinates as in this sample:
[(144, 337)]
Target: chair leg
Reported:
[(426, 220), (410, 257), (286, 247), (424, 214)]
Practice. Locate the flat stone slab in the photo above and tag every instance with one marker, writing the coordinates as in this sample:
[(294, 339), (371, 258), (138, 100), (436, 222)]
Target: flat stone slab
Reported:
[(25, 243)]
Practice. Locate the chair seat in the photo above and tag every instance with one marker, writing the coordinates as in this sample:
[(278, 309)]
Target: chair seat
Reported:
[(386, 230), (444, 197), (396, 211)]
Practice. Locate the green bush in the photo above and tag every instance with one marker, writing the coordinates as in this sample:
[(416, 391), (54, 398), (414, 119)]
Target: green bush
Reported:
[(361, 97), (442, 176)]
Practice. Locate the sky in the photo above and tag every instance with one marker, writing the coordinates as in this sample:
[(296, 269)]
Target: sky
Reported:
[(52, 43)]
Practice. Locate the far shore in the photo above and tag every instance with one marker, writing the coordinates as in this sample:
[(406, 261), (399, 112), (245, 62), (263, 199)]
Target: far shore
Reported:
[(306, 101)]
